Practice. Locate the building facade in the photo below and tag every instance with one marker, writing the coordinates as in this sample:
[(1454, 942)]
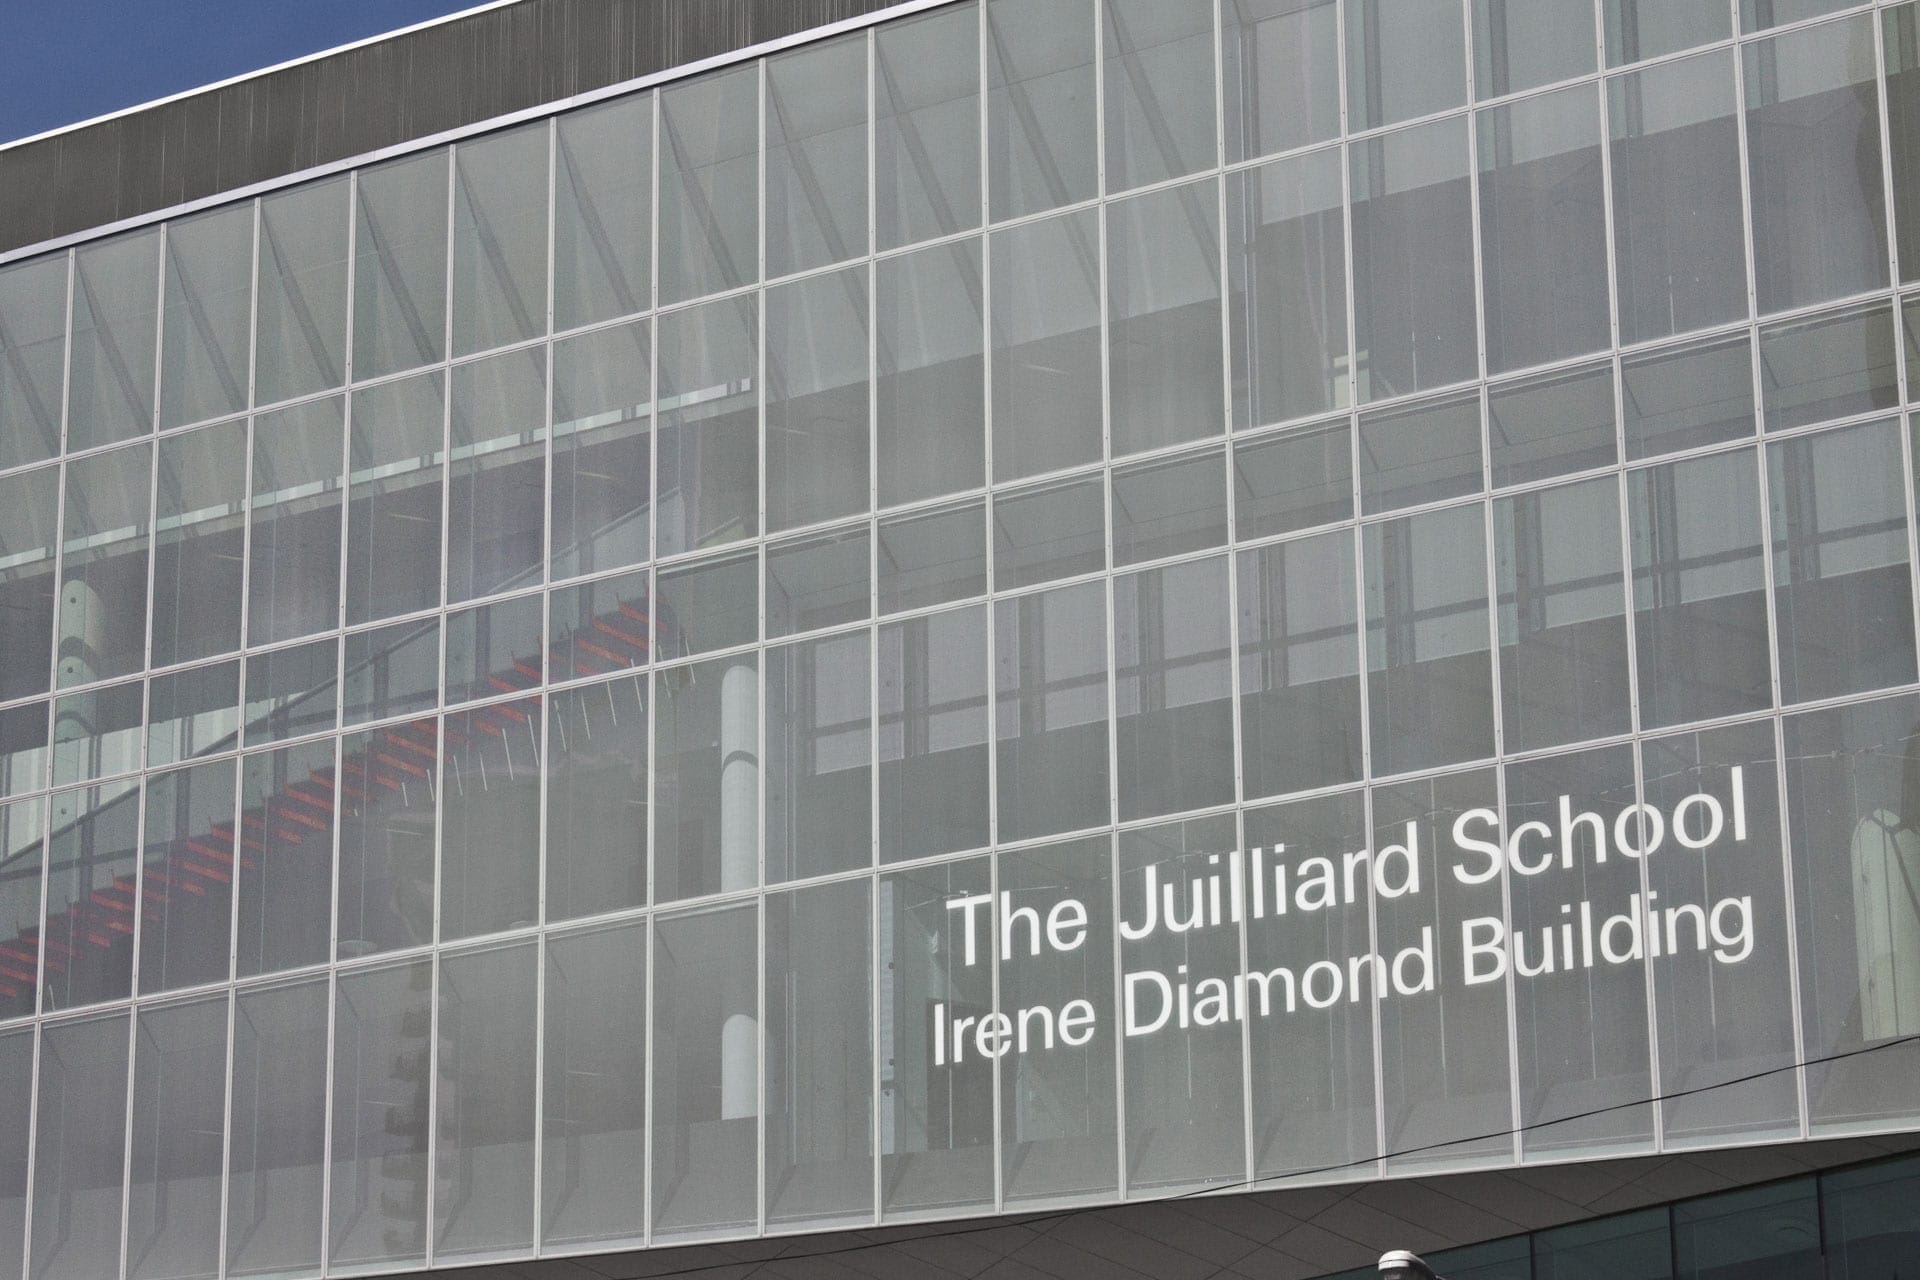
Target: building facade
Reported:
[(996, 607)]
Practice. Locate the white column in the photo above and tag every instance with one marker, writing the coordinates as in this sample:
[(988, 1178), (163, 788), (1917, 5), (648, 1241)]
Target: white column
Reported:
[(740, 869)]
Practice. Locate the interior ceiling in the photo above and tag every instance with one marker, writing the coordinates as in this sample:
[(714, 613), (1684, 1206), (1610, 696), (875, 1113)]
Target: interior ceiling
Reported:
[(1268, 1235)]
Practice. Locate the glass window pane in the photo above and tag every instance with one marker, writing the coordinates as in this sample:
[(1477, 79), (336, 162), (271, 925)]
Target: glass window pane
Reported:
[(276, 1163), (819, 966), (1159, 90), (1776, 1226), (1169, 506), (500, 239), (1639, 29), (97, 733), (710, 184), (1041, 122), (932, 557), (22, 846), (1443, 1041), (497, 475), (205, 351), (820, 581), (387, 824), (490, 819), (936, 1088), (91, 876), (1563, 629), (1699, 589), (933, 734), (1046, 346), (1049, 531), (293, 585), (495, 648), (1582, 1029), (1299, 666), (1050, 660), (1287, 277), (1757, 15), (28, 512), (115, 309), (1419, 454), (1627, 1246), (1429, 676), (593, 1136), (1552, 424), (187, 878), (1850, 803), (103, 571), (1412, 257), (818, 399), (198, 542), (819, 757), (706, 1079), (179, 1096), (302, 321), (713, 602), (1687, 396), (1678, 234), (1813, 157), (382, 1073), (1831, 366), (1293, 480), (1533, 42), (1405, 58), (1543, 228), (709, 426), (483, 1188), (393, 503), (597, 798), (1172, 655), (193, 713), (929, 318), (33, 344), (391, 671), (1867, 1214), (1843, 595), (602, 626), (927, 126), (1163, 311), (79, 1150), (602, 449), (23, 748), (817, 155), (707, 779), (288, 805), (291, 691), (1312, 1063), (400, 268), (1184, 1111), (1281, 60), (1901, 37), (603, 212), (1721, 1020), (1057, 1104)]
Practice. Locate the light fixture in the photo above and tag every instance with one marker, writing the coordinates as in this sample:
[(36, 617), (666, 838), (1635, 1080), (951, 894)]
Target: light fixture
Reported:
[(1400, 1264)]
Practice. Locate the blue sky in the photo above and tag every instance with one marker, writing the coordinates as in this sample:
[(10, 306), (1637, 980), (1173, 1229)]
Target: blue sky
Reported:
[(68, 60)]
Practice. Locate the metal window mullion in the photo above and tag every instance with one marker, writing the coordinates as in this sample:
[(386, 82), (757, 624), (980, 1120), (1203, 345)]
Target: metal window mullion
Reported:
[(872, 878), (1903, 339), (544, 768), (761, 298), (431, 1123)]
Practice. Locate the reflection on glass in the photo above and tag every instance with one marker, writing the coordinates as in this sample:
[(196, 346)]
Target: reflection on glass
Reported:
[(391, 671), (1163, 316), (1041, 122), (1686, 396), (709, 425), (301, 322), (1173, 673), (192, 713), (929, 319), (926, 127), (198, 544), (103, 569), (706, 782), (933, 557), (1552, 424), (400, 265), (597, 798), (1169, 506), (79, 1153), (1050, 681), (110, 364), (1533, 42), (933, 734), (22, 844), (29, 506), (1843, 596), (293, 584), (1639, 29), (497, 469), (1159, 90), (1831, 366), (709, 184), (593, 1126), (1293, 480), (603, 212), (96, 733), (1046, 346), (1287, 277), (1419, 454), (23, 748), (179, 1099), (490, 819), (1563, 631), (397, 451), (706, 1102), (713, 601), (495, 648), (276, 1160), (820, 581), (600, 496), (33, 300), (818, 399), (816, 155), (387, 824), (208, 306), (288, 804), (382, 1116), (1901, 50), (1281, 63), (1299, 666), (1405, 58), (186, 878), (291, 691), (484, 1139), (1049, 531), (499, 239)]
